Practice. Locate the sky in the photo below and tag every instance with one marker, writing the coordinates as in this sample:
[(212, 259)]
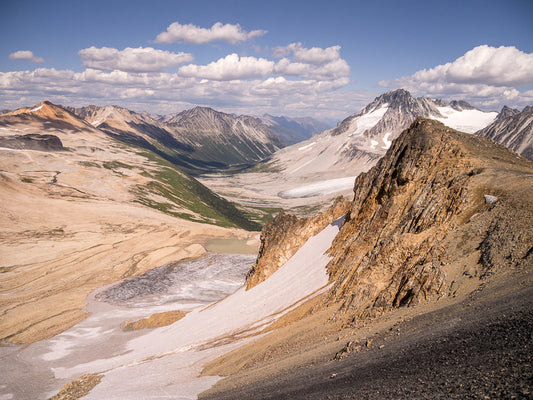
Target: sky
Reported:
[(325, 59)]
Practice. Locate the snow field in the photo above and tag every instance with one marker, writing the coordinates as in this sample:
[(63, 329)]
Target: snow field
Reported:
[(165, 362)]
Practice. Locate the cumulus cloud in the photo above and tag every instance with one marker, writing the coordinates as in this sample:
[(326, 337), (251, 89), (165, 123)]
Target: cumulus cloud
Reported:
[(25, 55), (502, 66), (161, 92), (229, 68), (219, 32), (141, 59), (315, 55), (484, 76), (317, 64)]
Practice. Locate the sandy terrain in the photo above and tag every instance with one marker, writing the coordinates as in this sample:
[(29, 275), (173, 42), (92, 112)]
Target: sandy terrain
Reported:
[(69, 224)]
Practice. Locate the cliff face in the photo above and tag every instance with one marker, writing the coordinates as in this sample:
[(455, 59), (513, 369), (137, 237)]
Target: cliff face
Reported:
[(421, 214), (440, 211), (284, 235)]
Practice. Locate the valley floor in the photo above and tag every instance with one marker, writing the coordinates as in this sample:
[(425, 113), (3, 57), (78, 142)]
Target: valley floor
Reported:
[(480, 347)]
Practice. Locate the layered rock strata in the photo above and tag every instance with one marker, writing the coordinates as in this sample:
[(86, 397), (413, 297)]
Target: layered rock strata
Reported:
[(284, 235), (422, 211)]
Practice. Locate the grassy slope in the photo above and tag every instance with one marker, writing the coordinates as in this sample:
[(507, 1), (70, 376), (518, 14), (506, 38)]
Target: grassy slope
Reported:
[(179, 193)]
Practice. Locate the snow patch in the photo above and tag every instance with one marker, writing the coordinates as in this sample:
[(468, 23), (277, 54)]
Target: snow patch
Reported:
[(368, 121), (374, 144), (37, 108), (387, 141), (169, 359), (319, 188), (490, 199), (306, 146), (468, 121)]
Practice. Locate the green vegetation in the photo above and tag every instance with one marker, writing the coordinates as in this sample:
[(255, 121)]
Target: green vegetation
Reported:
[(183, 193), (113, 165), (89, 164)]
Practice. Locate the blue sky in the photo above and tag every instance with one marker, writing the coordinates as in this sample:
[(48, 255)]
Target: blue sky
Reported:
[(300, 58)]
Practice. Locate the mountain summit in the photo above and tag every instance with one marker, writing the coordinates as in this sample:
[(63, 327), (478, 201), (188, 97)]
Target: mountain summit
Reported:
[(225, 138)]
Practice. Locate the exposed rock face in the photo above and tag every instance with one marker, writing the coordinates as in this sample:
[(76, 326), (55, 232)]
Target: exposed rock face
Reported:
[(507, 112), (222, 137), (394, 247), (513, 129), (284, 235), (32, 142)]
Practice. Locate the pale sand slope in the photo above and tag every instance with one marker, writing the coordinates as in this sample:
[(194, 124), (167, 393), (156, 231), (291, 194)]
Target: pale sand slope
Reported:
[(69, 223), (55, 251)]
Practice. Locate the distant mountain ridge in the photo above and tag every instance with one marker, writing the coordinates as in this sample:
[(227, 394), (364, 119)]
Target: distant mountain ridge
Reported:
[(199, 140), (357, 142), (224, 138), (513, 129), (293, 130)]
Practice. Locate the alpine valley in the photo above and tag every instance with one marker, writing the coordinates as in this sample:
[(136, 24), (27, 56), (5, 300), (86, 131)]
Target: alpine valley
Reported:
[(207, 255)]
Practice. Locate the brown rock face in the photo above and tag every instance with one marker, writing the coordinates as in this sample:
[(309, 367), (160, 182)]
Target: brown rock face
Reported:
[(284, 235), (422, 211)]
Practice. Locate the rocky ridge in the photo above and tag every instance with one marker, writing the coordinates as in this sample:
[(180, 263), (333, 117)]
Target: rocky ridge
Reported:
[(223, 137), (513, 129), (417, 219), (284, 235), (400, 240), (199, 140)]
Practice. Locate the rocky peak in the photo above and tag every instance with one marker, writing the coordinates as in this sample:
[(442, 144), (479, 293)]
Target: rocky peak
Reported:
[(284, 235), (394, 247), (507, 112), (461, 105), (440, 210), (527, 109)]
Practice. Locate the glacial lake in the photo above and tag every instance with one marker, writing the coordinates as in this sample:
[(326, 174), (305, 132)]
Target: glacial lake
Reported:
[(230, 246)]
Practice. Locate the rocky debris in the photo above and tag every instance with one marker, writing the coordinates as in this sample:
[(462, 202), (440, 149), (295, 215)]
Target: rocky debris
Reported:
[(284, 235), (32, 142), (78, 388)]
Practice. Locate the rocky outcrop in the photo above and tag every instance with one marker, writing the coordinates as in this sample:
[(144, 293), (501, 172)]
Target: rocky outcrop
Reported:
[(32, 142), (394, 247), (513, 129), (284, 235)]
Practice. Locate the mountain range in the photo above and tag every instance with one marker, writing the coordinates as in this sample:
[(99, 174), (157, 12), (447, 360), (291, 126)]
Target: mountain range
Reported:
[(310, 173), (513, 129), (425, 276)]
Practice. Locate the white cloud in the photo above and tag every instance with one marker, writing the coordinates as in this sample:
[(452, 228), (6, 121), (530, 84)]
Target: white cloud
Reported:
[(25, 55), (219, 32), (485, 76), (332, 70), (162, 92), (141, 59), (502, 66), (230, 67), (315, 55)]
